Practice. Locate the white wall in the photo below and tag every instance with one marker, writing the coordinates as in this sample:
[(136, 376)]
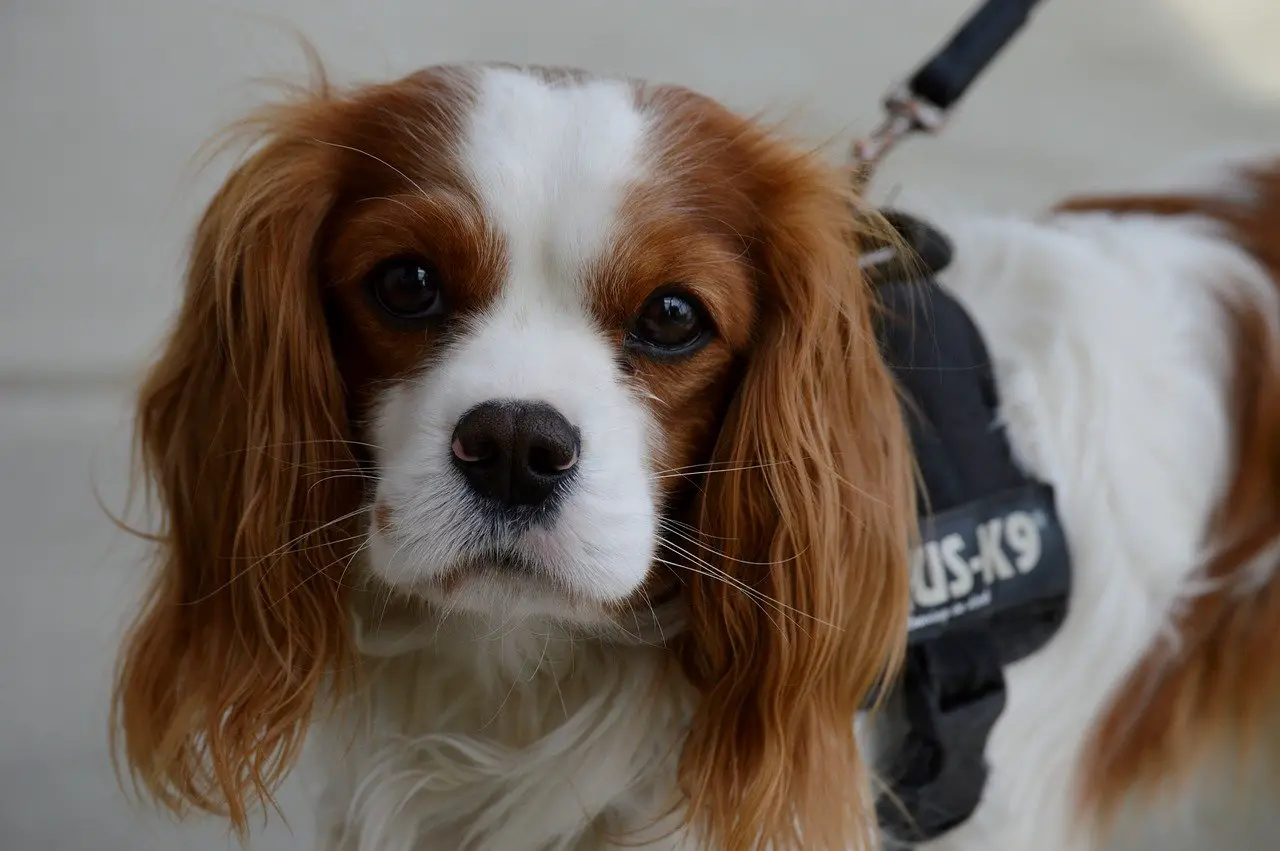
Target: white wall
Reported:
[(104, 102)]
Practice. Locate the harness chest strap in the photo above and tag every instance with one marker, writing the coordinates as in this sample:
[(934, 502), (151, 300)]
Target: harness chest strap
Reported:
[(991, 579)]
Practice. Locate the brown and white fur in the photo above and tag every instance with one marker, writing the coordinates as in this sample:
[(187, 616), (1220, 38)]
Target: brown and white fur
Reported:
[(1136, 343), (672, 654)]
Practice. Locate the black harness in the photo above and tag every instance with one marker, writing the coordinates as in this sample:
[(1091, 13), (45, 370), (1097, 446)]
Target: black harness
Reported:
[(991, 579)]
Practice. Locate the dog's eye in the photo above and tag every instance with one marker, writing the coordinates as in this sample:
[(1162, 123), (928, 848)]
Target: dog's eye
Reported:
[(407, 288), (670, 323)]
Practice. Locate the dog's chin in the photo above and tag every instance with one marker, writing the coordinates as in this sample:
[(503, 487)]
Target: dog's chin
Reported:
[(509, 599), (508, 588)]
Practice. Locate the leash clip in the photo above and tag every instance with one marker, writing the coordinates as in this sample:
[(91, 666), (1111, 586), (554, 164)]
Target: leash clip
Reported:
[(906, 113), (922, 102)]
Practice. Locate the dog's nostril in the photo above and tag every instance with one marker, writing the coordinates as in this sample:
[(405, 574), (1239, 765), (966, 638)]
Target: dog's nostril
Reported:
[(485, 433), (552, 459), (473, 451)]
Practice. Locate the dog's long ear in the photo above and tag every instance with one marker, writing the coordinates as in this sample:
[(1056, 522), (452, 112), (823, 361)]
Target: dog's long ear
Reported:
[(241, 428), (807, 521)]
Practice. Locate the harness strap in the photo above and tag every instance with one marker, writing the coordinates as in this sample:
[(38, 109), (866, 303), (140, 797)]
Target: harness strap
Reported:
[(954, 695), (991, 580)]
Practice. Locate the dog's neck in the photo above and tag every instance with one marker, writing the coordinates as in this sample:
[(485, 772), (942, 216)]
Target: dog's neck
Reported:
[(469, 732)]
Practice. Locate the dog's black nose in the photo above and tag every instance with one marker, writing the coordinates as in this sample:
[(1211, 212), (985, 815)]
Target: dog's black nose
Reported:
[(515, 452)]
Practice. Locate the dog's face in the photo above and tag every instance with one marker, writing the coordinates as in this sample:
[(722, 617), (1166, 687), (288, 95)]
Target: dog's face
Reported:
[(543, 319), (525, 342)]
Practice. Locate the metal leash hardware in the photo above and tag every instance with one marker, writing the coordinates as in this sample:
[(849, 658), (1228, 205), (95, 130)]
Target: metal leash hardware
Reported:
[(921, 104)]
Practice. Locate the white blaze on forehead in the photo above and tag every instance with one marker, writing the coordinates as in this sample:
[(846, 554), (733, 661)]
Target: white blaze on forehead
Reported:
[(551, 162)]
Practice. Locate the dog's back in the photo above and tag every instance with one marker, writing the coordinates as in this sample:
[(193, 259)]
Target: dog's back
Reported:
[(1136, 342)]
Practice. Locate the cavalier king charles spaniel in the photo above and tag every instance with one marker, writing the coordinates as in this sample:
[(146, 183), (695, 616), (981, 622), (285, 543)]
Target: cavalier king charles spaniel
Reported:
[(530, 471)]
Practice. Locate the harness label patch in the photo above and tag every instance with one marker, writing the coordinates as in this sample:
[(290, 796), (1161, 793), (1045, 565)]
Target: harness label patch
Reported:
[(999, 552)]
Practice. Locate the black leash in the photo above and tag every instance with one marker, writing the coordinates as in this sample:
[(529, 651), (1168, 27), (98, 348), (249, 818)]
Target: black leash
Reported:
[(921, 103)]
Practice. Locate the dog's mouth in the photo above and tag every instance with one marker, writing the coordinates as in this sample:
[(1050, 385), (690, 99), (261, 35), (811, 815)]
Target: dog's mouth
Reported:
[(508, 563), (500, 573)]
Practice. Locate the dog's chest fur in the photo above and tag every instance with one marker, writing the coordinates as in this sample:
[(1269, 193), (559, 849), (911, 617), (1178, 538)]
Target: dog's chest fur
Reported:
[(503, 737)]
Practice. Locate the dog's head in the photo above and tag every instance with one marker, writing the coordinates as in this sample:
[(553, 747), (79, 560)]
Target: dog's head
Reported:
[(526, 342)]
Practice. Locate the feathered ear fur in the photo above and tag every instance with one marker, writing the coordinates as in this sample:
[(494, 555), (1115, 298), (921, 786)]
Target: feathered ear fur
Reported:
[(807, 524), (241, 426)]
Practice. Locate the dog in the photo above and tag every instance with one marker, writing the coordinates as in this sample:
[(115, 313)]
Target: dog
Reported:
[(531, 472)]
